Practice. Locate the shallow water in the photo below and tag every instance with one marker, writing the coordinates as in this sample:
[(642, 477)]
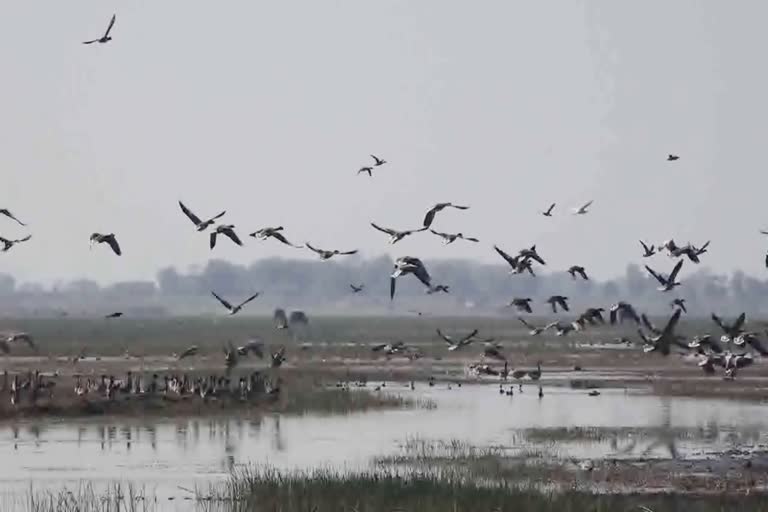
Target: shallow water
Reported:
[(165, 453)]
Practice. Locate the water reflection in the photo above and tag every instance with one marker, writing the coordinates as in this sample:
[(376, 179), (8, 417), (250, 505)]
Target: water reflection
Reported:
[(189, 452)]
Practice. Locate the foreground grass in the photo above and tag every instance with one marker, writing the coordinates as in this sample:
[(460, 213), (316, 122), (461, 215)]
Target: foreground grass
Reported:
[(385, 491)]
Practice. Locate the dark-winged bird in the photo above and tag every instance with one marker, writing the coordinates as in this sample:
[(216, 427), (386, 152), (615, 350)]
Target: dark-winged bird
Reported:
[(679, 303), (378, 161), (623, 311), (548, 213), (558, 300), (667, 282), (199, 224), (430, 216), (264, 233), (672, 158), (116, 314), (7, 244), (357, 289), (408, 265), (449, 238), (227, 230), (578, 270), (395, 235), (521, 304), (326, 255), (233, 310), (109, 239), (648, 251), (106, 37)]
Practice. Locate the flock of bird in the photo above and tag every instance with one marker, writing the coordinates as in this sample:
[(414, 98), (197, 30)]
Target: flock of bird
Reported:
[(731, 352)]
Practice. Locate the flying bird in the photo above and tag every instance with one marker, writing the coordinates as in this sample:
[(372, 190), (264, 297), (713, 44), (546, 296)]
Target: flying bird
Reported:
[(583, 209), (623, 311), (378, 161), (531, 254), (679, 303), (733, 330), (456, 345), (233, 310), (106, 37), (8, 244), (395, 235), (522, 304), (7, 213), (444, 288), (357, 289), (672, 158), (558, 300), (648, 251), (199, 224), (533, 331), (548, 212), (116, 314), (578, 270), (191, 351), (227, 230), (326, 255), (667, 282), (109, 239), (369, 170), (409, 265), (449, 238), (430, 216), (666, 337), (264, 233)]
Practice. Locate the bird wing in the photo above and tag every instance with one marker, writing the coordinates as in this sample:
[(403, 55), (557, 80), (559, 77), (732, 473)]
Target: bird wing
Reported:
[(442, 235), (613, 315), (429, 217), (111, 24), (279, 237), (25, 239), (422, 275), (384, 230), (348, 253), (675, 271), (471, 239), (213, 239), (587, 205), (669, 329), (230, 233), (647, 323), (392, 281), (703, 248), (522, 320), (718, 321), (563, 303), (755, 343), (90, 42), (448, 339), (318, 251), (8, 214), (469, 336), (249, 299), (377, 159), (551, 207), (739, 323), (509, 259), (458, 207), (112, 241), (660, 279), (645, 247), (191, 216), (223, 302)]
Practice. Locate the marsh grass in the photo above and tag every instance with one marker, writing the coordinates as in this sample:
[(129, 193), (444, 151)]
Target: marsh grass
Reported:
[(440, 491), (340, 401), (117, 497), (603, 434)]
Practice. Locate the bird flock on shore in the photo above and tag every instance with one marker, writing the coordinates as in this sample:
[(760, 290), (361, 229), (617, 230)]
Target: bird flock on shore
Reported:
[(732, 351)]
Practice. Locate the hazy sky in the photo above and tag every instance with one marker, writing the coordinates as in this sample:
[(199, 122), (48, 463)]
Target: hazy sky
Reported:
[(267, 109)]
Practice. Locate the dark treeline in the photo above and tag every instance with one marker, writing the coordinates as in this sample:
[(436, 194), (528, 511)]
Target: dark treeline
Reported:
[(323, 287)]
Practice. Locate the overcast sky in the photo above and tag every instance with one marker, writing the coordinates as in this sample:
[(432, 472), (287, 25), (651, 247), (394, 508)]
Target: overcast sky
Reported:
[(267, 110)]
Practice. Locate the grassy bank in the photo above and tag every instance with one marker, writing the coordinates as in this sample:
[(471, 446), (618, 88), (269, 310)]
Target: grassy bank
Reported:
[(385, 491)]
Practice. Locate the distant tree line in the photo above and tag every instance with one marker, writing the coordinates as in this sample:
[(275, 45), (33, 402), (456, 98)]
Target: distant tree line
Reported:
[(324, 287)]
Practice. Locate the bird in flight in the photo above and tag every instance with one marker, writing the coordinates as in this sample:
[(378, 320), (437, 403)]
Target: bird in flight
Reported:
[(116, 314), (367, 169), (358, 288), (449, 238), (227, 230), (558, 300), (456, 345), (326, 255), (199, 224), (666, 337), (264, 233), (109, 239), (106, 37), (578, 270), (409, 265), (440, 288), (548, 212), (583, 209), (623, 311), (378, 161), (430, 216), (7, 213), (395, 235), (233, 310), (667, 282), (648, 251), (521, 304), (672, 158), (7, 244), (679, 303), (533, 331)]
